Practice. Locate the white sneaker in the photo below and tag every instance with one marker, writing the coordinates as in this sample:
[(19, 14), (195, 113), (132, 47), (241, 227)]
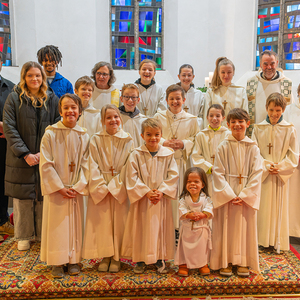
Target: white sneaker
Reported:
[(23, 245)]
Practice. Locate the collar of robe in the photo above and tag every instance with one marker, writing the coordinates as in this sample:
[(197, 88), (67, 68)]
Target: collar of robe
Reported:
[(176, 116), (276, 76), (145, 86), (268, 119), (129, 113), (60, 125), (191, 203)]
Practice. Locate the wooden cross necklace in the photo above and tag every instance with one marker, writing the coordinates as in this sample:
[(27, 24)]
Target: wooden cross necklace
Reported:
[(144, 106), (240, 176), (174, 136), (270, 146), (113, 155)]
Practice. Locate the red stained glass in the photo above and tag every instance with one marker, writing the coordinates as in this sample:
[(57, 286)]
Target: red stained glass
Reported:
[(141, 42), (126, 39), (149, 40), (1, 47), (262, 16), (5, 4), (290, 36)]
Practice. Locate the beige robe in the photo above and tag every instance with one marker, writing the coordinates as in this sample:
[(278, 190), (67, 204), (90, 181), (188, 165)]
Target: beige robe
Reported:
[(149, 231), (91, 120), (235, 96), (292, 115), (234, 237), (108, 203), (152, 99), (102, 97), (134, 127), (194, 245), (206, 143), (63, 218), (273, 215), (185, 126)]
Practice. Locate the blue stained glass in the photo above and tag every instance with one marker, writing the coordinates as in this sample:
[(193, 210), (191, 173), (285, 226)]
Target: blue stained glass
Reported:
[(289, 66), (263, 11), (289, 56), (289, 8), (290, 25), (158, 50), (113, 2), (258, 31), (268, 29), (113, 16), (142, 15), (113, 40), (296, 66), (124, 15), (258, 23), (143, 56), (257, 61), (4, 12), (267, 23), (141, 25), (130, 15), (119, 52), (266, 48), (8, 63), (269, 40), (297, 24), (274, 27), (131, 54), (287, 47), (127, 2), (295, 7), (123, 26), (275, 10), (147, 50), (159, 27), (275, 21), (121, 62), (149, 15), (262, 41), (8, 50), (298, 18), (296, 46), (158, 0), (149, 57), (291, 19), (112, 26), (121, 2)]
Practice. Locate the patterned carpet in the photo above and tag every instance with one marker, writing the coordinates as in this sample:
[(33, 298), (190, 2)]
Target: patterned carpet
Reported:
[(24, 276)]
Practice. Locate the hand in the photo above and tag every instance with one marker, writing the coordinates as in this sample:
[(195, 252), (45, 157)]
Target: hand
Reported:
[(154, 196), (273, 170), (68, 193), (170, 144), (178, 144), (237, 201), (31, 159)]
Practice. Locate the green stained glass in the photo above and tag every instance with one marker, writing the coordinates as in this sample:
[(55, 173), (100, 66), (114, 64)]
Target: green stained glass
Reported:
[(129, 23), (158, 60), (157, 21), (149, 26), (124, 54)]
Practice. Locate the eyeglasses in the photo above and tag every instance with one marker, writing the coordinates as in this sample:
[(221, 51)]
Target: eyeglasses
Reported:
[(105, 75), (133, 98)]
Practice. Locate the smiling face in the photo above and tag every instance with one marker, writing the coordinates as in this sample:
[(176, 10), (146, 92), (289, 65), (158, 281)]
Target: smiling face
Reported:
[(194, 185), (175, 102), (186, 77), (102, 77), (85, 93), (152, 137), (112, 121), (268, 65), (49, 66), (274, 113), (33, 80), (147, 73), (238, 128), (215, 117), (226, 74), (130, 99), (69, 111)]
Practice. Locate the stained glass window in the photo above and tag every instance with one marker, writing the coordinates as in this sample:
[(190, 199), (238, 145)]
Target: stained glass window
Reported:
[(5, 38), (123, 35)]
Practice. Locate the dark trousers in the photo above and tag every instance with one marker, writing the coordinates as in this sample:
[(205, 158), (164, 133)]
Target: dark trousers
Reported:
[(3, 198)]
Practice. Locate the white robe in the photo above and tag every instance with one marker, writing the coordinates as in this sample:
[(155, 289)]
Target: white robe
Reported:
[(134, 127), (63, 218), (91, 120), (194, 245), (185, 126), (234, 237), (108, 203), (273, 215), (149, 231), (235, 96), (152, 99), (292, 115), (206, 143), (102, 97)]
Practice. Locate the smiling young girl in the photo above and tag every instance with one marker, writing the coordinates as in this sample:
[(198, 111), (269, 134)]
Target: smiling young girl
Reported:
[(108, 204), (223, 91), (195, 209)]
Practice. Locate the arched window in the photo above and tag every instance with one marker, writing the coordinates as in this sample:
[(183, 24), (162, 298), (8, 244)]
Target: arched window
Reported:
[(136, 32)]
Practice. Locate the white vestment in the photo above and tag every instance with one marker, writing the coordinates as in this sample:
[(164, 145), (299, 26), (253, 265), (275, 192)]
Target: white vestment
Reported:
[(91, 120), (194, 245), (63, 217), (102, 97), (273, 215), (204, 151), (108, 203), (185, 127), (234, 238), (152, 99), (292, 115), (235, 97), (134, 127), (149, 231)]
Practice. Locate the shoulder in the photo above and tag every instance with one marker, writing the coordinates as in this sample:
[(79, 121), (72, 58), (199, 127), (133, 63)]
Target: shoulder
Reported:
[(7, 82)]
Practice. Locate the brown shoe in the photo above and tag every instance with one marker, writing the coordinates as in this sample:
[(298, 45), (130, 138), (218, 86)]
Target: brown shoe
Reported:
[(243, 271), (7, 228), (183, 271), (204, 270), (226, 271)]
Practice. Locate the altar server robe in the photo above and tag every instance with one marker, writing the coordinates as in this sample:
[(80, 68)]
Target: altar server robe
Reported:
[(91, 120), (63, 217), (149, 232), (273, 216), (194, 245), (234, 238), (108, 203), (206, 143), (185, 126)]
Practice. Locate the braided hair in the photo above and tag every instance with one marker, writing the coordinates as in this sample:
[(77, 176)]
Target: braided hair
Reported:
[(52, 52)]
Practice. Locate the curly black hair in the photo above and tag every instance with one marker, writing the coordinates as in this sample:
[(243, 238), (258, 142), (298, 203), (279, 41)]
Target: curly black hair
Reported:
[(52, 53)]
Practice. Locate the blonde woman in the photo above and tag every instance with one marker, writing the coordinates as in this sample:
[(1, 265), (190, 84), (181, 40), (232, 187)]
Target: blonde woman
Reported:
[(28, 110)]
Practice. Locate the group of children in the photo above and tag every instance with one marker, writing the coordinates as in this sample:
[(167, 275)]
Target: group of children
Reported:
[(144, 175)]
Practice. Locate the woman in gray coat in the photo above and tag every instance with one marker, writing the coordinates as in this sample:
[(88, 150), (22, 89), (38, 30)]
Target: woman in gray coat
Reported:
[(28, 110)]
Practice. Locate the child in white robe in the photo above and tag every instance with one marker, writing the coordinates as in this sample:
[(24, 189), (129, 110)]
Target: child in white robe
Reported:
[(90, 117), (236, 196), (108, 203), (279, 148), (151, 182), (151, 94), (207, 141), (130, 114), (179, 131), (194, 103), (195, 208), (64, 178), (223, 91)]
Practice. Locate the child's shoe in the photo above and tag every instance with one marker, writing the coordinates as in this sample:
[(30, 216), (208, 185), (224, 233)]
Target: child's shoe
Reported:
[(104, 264), (57, 272), (23, 245), (139, 268), (115, 266), (73, 269), (159, 265), (204, 270), (7, 228), (243, 271), (183, 271), (226, 271)]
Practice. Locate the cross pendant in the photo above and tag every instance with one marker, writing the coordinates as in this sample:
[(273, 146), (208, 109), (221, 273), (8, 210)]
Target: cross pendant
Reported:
[(112, 170), (71, 165), (270, 146), (213, 158), (174, 137), (145, 110), (240, 177), (186, 108), (224, 103)]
